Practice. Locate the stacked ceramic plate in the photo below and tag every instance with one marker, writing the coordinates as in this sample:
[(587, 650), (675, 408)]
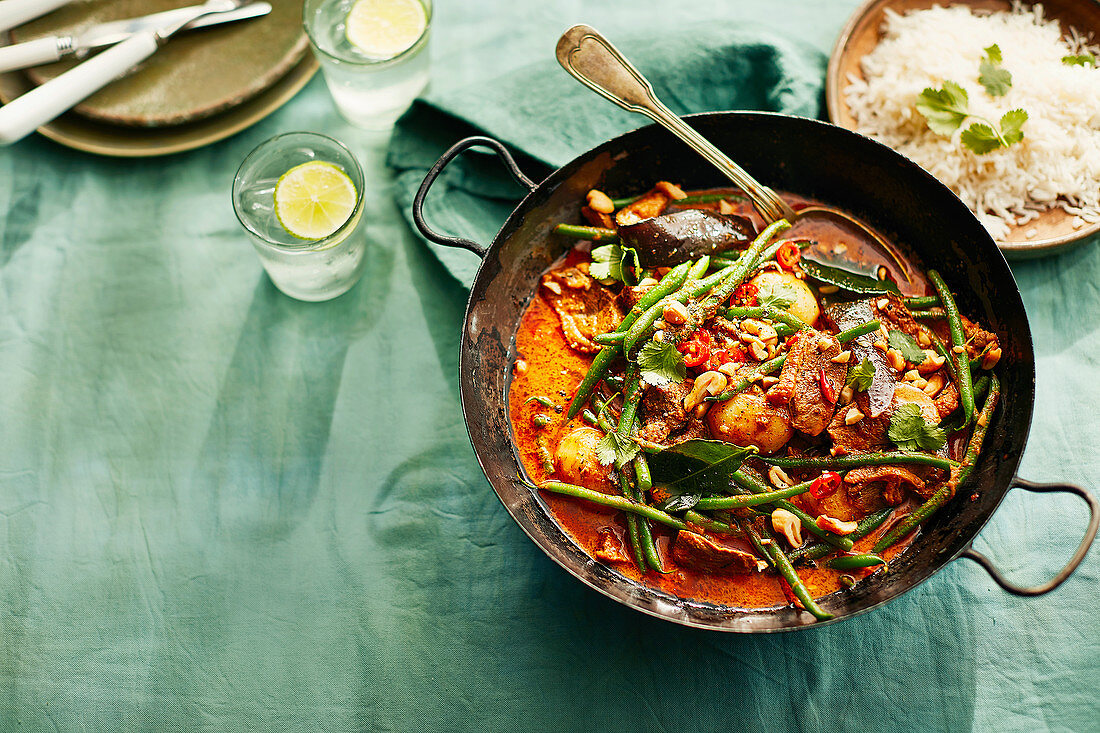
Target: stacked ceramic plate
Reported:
[(203, 86)]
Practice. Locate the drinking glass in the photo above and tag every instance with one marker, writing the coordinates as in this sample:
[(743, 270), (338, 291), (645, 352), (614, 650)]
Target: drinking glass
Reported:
[(309, 270), (369, 92)]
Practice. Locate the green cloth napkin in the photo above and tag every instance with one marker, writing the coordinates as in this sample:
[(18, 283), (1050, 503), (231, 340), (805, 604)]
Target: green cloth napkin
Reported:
[(549, 118)]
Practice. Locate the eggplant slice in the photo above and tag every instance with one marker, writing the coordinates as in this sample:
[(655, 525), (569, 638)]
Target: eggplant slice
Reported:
[(669, 239)]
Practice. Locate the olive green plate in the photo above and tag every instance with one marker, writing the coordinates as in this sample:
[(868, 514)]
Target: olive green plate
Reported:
[(197, 75), (80, 133)]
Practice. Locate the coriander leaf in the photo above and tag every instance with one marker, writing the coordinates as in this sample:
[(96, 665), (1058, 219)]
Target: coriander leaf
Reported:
[(904, 343), (610, 262), (861, 376), (613, 448), (945, 109), (1081, 59), (980, 138), (775, 300), (911, 432), (1012, 123), (995, 79), (661, 363)]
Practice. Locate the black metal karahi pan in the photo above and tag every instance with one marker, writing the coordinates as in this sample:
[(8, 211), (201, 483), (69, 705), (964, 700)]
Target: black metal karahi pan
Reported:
[(804, 156)]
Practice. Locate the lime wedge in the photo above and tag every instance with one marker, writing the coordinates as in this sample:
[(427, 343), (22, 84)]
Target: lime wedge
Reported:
[(314, 199), (383, 29)]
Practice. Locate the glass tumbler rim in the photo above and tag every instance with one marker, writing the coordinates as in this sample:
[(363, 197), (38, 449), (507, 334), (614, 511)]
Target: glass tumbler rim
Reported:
[(420, 41), (356, 175)]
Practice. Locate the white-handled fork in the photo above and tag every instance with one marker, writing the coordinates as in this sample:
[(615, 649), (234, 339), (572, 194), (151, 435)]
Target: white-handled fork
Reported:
[(24, 115)]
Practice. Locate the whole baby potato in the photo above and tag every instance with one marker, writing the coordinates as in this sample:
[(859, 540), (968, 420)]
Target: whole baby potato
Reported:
[(748, 419), (772, 284)]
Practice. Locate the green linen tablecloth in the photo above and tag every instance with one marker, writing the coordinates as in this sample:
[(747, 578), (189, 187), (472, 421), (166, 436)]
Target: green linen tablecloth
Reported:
[(222, 509)]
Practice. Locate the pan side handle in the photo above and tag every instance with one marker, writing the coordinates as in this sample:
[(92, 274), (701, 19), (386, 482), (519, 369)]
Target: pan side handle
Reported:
[(1078, 556), (444, 160)]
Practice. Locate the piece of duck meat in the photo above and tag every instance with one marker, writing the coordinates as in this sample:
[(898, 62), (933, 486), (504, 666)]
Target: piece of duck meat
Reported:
[(895, 315), (947, 401), (631, 294), (662, 410), (692, 550), (978, 340), (610, 548), (649, 204), (849, 315), (873, 487), (810, 381), (869, 434), (584, 307)]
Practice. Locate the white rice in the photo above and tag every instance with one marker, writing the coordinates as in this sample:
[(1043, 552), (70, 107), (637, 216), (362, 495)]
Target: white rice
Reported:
[(1058, 161)]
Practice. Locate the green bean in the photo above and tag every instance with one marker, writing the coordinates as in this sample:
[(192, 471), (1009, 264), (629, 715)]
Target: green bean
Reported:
[(718, 262), (852, 562), (541, 421), (632, 394), (633, 529), (620, 203), (857, 331), (749, 482), (615, 502), (777, 315), (699, 268), (609, 339), (866, 526), (930, 315), (589, 417), (741, 385), (736, 274), (696, 519), (928, 301), (689, 289), (595, 234), (708, 198), (783, 565), (541, 399), (645, 483), (669, 283), (958, 350), (861, 459), (740, 501), (958, 475), (545, 457)]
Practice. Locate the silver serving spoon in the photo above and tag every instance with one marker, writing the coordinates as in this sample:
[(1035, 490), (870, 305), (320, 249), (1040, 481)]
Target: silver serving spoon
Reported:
[(596, 63)]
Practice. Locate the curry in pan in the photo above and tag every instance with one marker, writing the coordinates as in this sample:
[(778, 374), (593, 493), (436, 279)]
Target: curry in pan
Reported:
[(741, 414)]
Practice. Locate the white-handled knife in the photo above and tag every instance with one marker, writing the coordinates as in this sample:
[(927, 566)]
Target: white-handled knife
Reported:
[(18, 12), (24, 115), (48, 49)]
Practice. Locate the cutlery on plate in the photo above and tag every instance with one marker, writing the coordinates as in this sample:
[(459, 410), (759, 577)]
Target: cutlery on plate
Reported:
[(24, 115), (48, 49), (18, 12)]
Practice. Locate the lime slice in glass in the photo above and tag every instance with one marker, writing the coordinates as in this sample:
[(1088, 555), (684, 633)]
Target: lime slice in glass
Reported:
[(314, 199), (383, 29)]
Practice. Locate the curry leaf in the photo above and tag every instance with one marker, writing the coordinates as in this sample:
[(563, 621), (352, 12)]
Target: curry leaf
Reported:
[(844, 279), (661, 363), (614, 448), (911, 432), (994, 78), (861, 376), (945, 109), (698, 465), (904, 343)]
